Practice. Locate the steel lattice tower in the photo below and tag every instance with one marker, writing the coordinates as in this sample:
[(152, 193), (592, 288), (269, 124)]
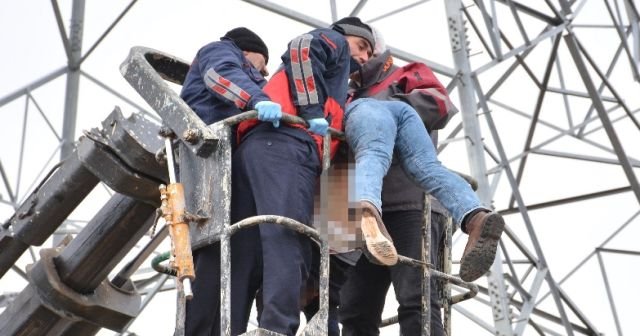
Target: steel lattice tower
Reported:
[(548, 125)]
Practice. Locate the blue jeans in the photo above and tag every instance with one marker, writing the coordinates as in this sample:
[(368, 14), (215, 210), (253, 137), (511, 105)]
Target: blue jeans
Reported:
[(374, 128)]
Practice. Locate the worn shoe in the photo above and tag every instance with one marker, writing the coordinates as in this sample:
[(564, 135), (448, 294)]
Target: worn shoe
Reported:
[(379, 246), (484, 230)]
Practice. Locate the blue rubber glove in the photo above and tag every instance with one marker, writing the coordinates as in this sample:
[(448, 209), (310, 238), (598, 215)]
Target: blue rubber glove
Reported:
[(269, 111), (318, 126)]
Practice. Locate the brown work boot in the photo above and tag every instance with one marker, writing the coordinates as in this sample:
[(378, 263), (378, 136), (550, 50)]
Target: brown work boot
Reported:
[(379, 247), (484, 230)]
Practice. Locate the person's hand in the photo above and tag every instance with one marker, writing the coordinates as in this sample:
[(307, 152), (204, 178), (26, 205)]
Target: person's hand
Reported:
[(269, 111), (318, 126)]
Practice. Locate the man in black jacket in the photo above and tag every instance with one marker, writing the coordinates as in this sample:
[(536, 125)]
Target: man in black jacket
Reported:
[(362, 296)]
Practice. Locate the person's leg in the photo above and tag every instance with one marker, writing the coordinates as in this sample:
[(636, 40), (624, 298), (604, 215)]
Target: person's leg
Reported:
[(246, 249), (202, 316), (370, 134), (419, 160), (362, 299), (338, 271), (283, 174), (203, 310), (405, 229)]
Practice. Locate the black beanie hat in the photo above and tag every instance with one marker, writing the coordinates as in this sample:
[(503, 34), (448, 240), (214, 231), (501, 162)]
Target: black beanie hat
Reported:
[(247, 40), (352, 25)]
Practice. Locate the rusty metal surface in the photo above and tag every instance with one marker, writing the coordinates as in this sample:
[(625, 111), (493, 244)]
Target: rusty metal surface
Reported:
[(105, 305), (122, 154), (426, 274), (135, 141), (103, 242), (68, 291), (225, 284), (81, 328), (280, 220), (10, 250), (68, 286), (99, 159), (173, 205), (138, 69), (262, 332), (123, 276), (207, 184), (181, 310), (319, 323), (44, 210), (448, 278), (446, 262)]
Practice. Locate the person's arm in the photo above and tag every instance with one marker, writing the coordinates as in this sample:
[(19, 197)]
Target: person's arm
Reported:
[(309, 58), (223, 69), (423, 91)]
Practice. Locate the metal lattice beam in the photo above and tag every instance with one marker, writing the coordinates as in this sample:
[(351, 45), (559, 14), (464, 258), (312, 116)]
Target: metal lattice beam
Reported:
[(499, 53)]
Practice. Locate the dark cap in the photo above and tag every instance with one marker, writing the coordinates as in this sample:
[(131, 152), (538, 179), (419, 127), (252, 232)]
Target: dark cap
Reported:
[(247, 40), (352, 25)]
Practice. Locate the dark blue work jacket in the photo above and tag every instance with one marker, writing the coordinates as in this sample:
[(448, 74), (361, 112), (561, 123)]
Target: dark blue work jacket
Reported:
[(221, 82)]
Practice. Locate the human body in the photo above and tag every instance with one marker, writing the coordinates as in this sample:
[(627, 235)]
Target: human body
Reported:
[(362, 297), (225, 78)]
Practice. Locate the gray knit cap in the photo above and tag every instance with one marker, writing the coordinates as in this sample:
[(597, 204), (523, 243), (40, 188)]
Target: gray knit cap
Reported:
[(352, 25)]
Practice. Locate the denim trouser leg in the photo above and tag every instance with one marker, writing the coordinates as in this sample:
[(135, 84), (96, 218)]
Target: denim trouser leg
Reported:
[(374, 128), (371, 134)]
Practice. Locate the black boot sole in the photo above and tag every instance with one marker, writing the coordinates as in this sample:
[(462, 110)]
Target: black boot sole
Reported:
[(478, 261)]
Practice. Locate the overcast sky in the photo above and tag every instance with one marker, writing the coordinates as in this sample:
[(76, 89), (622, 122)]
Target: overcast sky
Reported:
[(32, 49)]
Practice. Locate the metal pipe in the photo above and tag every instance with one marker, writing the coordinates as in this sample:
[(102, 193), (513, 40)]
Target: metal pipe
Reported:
[(73, 78)]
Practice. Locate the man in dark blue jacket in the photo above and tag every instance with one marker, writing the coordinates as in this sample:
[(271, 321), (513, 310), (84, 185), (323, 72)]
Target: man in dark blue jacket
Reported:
[(225, 78)]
